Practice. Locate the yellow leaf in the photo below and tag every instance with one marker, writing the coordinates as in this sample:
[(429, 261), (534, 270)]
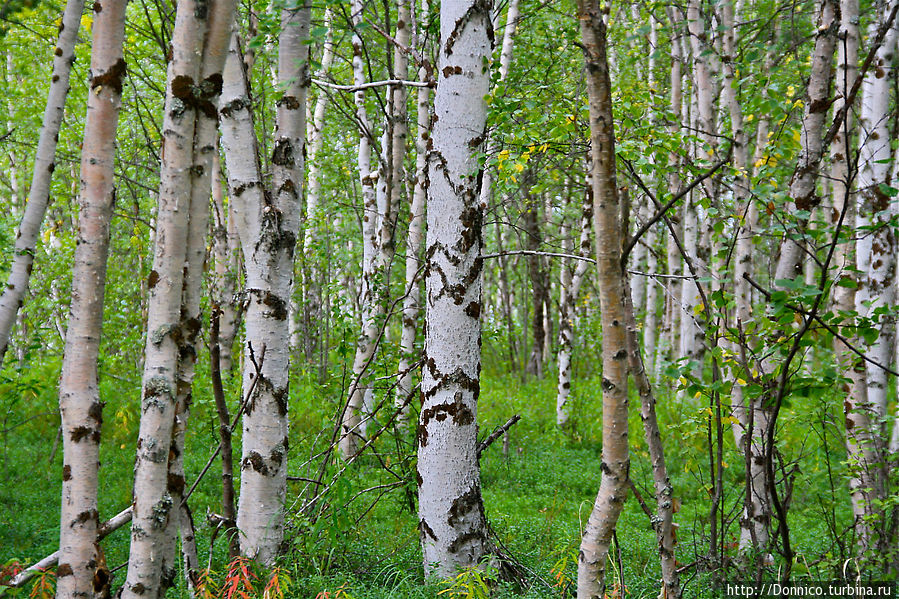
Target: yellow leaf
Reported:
[(741, 382)]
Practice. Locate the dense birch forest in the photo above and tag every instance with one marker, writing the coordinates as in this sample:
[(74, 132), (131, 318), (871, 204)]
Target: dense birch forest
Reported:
[(405, 298)]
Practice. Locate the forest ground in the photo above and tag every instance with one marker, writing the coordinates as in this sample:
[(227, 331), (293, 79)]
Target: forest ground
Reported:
[(536, 498)]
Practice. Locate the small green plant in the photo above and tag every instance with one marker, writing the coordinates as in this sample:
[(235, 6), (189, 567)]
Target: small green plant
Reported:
[(473, 582)]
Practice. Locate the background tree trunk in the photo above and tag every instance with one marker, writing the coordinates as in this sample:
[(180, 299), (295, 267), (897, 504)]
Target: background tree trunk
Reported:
[(44, 163)]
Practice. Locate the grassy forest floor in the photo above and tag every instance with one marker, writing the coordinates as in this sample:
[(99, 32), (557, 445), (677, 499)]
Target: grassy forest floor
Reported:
[(365, 544)]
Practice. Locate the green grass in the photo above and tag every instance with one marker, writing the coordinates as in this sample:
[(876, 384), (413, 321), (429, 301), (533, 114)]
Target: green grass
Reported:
[(537, 498)]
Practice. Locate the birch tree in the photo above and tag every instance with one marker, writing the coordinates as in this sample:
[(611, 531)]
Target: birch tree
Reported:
[(193, 86), (876, 245), (612, 281), (44, 164), (268, 225), (569, 290), (451, 513), (415, 235), (353, 427), (81, 572)]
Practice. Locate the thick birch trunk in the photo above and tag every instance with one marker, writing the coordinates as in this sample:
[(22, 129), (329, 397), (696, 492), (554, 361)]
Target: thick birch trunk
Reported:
[(81, 572), (452, 523), (221, 15), (151, 568), (415, 236), (876, 245), (612, 281), (268, 225), (44, 163)]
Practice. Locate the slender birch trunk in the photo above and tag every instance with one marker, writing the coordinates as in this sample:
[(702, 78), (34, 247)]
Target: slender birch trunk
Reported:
[(44, 163), (663, 521), (751, 414), (288, 159), (316, 138), (151, 568), (226, 269), (570, 289), (673, 258), (505, 62), (451, 513), (876, 261), (612, 281), (415, 236), (370, 306), (81, 572), (536, 274)]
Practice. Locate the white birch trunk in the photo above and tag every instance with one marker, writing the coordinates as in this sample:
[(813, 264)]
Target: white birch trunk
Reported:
[(570, 288), (81, 572), (600, 526), (415, 236), (316, 140), (353, 426), (268, 226), (452, 523), (876, 245), (44, 163), (803, 192), (151, 566), (226, 269)]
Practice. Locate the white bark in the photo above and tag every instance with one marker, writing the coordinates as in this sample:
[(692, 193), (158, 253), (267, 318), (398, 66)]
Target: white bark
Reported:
[(205, 140), (876, 245), (226, 268), (44, 163), (316, 139), (151, 567), (268, 226), (803, 193), (415, 237), (612, 282), (370, 305), (569, 291), (200, 39), (81, 572), (451, 514)]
